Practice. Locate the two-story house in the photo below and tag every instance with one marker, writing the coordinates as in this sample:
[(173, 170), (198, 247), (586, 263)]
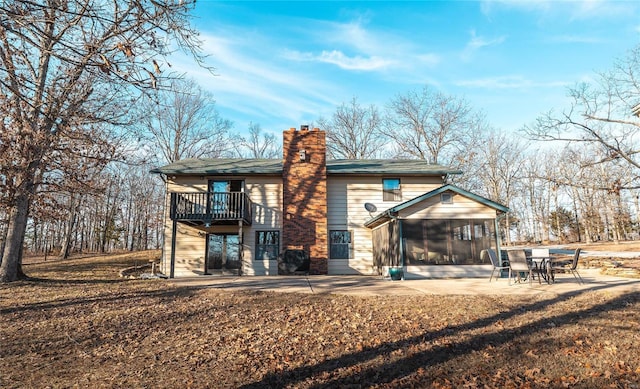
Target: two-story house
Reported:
[(302, 212)]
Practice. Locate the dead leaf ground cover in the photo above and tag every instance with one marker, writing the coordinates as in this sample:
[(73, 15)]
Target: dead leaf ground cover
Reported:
[(77, 324)]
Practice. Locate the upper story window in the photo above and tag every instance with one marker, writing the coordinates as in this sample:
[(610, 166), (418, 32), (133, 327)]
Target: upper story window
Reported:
[(223, 186), (446, 198), (225, 196), (391, 189)]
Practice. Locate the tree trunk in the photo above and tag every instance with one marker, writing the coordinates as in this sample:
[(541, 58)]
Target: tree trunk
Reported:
[(83, 232), (508, 229), (145, 233), (71, 226), (3, 239), (11, 267)]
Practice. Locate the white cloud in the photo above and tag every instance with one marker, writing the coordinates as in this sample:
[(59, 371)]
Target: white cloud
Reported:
[(353, 63), (571, 9), (597, 9), (349, 35), (353, 46), (478, 42), (508, 82), (283, 70), (429, 59), (256, 84), (341, 60)]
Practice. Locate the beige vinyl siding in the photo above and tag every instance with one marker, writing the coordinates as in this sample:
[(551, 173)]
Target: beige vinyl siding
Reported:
[(190, 251), (346, 196), (266, 194), (413, 187), (340, 217), (461, 208), (187, 184), (190, 241)]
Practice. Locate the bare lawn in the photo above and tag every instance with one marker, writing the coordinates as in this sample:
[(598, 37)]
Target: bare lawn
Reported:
[(76, 323)]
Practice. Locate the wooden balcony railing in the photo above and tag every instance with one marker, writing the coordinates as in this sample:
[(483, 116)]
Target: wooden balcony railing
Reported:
[(210, 207)]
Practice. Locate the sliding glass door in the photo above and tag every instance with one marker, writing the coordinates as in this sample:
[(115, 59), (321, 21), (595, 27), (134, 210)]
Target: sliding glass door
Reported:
[(223, 252)]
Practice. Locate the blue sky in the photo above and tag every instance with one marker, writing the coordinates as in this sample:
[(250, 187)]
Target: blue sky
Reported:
[(283, 64)]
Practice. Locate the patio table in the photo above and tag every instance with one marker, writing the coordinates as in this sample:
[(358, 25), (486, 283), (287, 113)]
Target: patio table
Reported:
[(543, 267)]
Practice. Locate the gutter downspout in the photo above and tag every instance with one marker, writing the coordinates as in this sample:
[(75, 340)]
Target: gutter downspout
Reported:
[(401, 246), (173, 249), (497, 227), (163, 253), (174, 229)]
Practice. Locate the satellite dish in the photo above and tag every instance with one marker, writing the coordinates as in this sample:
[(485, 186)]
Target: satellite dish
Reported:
[(370, 207)]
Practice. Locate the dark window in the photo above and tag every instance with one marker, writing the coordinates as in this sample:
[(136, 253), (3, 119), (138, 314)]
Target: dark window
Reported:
[(340, 244), (267, 245), (447, 242), (391, 189), (446, 198)]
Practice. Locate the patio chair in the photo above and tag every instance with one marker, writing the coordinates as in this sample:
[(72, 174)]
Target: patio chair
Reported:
[(518, 264), (570, 266), (495, 262)]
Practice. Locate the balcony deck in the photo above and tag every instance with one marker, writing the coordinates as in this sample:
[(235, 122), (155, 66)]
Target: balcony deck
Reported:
[(211, 208)]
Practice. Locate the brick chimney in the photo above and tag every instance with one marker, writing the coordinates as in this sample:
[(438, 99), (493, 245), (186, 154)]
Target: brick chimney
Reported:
[(304, 197)]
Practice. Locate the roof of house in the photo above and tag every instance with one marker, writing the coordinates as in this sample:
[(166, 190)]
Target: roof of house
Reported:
[(220, 166), (387, 166), (387, 215)]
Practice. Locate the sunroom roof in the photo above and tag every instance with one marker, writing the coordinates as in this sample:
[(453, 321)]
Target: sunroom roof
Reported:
[(388, 214)]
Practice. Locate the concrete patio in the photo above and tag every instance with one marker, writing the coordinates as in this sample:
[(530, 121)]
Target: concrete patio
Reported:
[(377, 286)]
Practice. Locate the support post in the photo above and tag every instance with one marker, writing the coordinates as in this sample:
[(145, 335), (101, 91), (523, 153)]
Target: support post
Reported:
[(172, 265), (241, 244)]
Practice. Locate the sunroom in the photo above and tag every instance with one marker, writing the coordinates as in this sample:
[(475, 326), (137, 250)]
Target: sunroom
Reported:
[(441, 233)]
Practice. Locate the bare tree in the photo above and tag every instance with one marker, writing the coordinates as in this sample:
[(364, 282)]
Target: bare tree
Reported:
[(73, 163), (600, 114), (140, 210), (501, 171), (353, 132), (430, 125), (537, 188), (65, 67), (182, 122), (258, 144)]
